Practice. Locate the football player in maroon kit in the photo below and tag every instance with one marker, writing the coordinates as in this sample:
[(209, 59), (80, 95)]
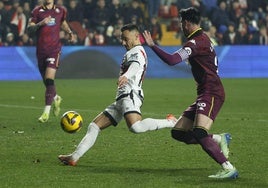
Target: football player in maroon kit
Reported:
[(46, 22), (195, 122)]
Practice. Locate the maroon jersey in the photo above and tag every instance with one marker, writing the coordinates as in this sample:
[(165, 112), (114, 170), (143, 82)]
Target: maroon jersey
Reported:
[(48, 39), (204, 64)]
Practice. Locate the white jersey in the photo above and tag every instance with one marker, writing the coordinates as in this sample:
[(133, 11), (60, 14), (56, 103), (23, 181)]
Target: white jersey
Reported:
[(134, 57)]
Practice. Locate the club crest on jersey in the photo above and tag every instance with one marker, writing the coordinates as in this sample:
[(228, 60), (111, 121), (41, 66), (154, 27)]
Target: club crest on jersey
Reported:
[(192, 41), (201, 106), (57, 10)]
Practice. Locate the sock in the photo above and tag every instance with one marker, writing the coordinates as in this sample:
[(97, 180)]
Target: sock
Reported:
[(150, 124), (47, 109), (227, 165), (50, 94), (55, 97), (212, 148), (87, 142), (216, 138)]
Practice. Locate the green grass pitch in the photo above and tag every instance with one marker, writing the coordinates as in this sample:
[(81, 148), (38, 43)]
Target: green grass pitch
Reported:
[(120, 158)]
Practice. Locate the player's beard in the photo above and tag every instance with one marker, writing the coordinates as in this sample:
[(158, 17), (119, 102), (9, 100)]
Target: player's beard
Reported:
[(185, 32)]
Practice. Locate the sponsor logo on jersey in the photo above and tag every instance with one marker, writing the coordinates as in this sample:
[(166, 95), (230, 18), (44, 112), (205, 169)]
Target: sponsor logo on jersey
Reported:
[(201, 106), (133, 56), (51, 22)]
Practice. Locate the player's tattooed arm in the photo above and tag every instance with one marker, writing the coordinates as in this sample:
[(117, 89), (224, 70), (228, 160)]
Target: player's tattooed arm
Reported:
[(33, 27)]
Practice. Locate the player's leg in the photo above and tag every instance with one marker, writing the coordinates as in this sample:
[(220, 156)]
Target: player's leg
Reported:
[(131, 109), (201, 136), (200, 131), (94, 128), (201, 126), (223, 140), (53, 62), (50, 93), (52, 98), (183, 131), (48, 68), (207, 110), (137, 125), (111, 116)]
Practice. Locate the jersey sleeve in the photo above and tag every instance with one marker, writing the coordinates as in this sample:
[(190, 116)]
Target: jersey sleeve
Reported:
[(135, 60), (33, 17), (64, 17), (171, 59), (190, 47)]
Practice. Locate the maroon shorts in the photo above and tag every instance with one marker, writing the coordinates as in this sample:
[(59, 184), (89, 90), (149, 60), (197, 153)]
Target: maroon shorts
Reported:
[(45, 60), (207, 105)]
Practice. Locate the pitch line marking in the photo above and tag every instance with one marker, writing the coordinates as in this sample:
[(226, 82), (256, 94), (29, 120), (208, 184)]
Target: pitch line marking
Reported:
[(90, 110)]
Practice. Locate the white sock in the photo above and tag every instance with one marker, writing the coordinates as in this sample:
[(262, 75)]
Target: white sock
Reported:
[(56, 96), (47, 109), (227, 165), (87, 142), (150, 124), (216, 138)]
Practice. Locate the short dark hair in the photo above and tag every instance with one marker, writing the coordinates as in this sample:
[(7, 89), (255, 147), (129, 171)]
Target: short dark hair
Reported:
[(190, 14), (130, 27)]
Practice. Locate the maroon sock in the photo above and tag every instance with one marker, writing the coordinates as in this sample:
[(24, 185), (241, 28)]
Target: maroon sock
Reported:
[(191, 139), (194, 141), (213, 149), (50, 94)]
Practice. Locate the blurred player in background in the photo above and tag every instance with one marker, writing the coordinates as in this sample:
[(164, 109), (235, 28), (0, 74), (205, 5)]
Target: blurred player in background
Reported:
[(46, 22), (195, 122), (129, 98)]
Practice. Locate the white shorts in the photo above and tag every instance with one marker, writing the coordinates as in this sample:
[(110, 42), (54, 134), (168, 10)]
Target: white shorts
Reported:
[(130, 103)]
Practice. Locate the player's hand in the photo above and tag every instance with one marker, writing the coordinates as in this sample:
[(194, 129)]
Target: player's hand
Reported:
[(45, 21), (71, 37), (148, 38), (122, 81)]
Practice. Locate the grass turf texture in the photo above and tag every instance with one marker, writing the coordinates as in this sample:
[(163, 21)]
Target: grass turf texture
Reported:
[(119, 158)]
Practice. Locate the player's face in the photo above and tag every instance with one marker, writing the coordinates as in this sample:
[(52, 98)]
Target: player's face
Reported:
[(47, 2), (129, 39)]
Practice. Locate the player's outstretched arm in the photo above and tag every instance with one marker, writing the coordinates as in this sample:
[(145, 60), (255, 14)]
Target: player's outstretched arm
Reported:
[(170, 59)]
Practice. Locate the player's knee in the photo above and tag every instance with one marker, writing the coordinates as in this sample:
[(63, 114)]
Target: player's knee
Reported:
[(49, 82), (199, 133), (94, 126), (180, 135), (137, 128)]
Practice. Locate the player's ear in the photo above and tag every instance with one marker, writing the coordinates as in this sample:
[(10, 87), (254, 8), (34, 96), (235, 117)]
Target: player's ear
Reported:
[(141, 38)]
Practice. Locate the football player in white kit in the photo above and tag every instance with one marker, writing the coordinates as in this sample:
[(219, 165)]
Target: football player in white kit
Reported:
[(129, 98)]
